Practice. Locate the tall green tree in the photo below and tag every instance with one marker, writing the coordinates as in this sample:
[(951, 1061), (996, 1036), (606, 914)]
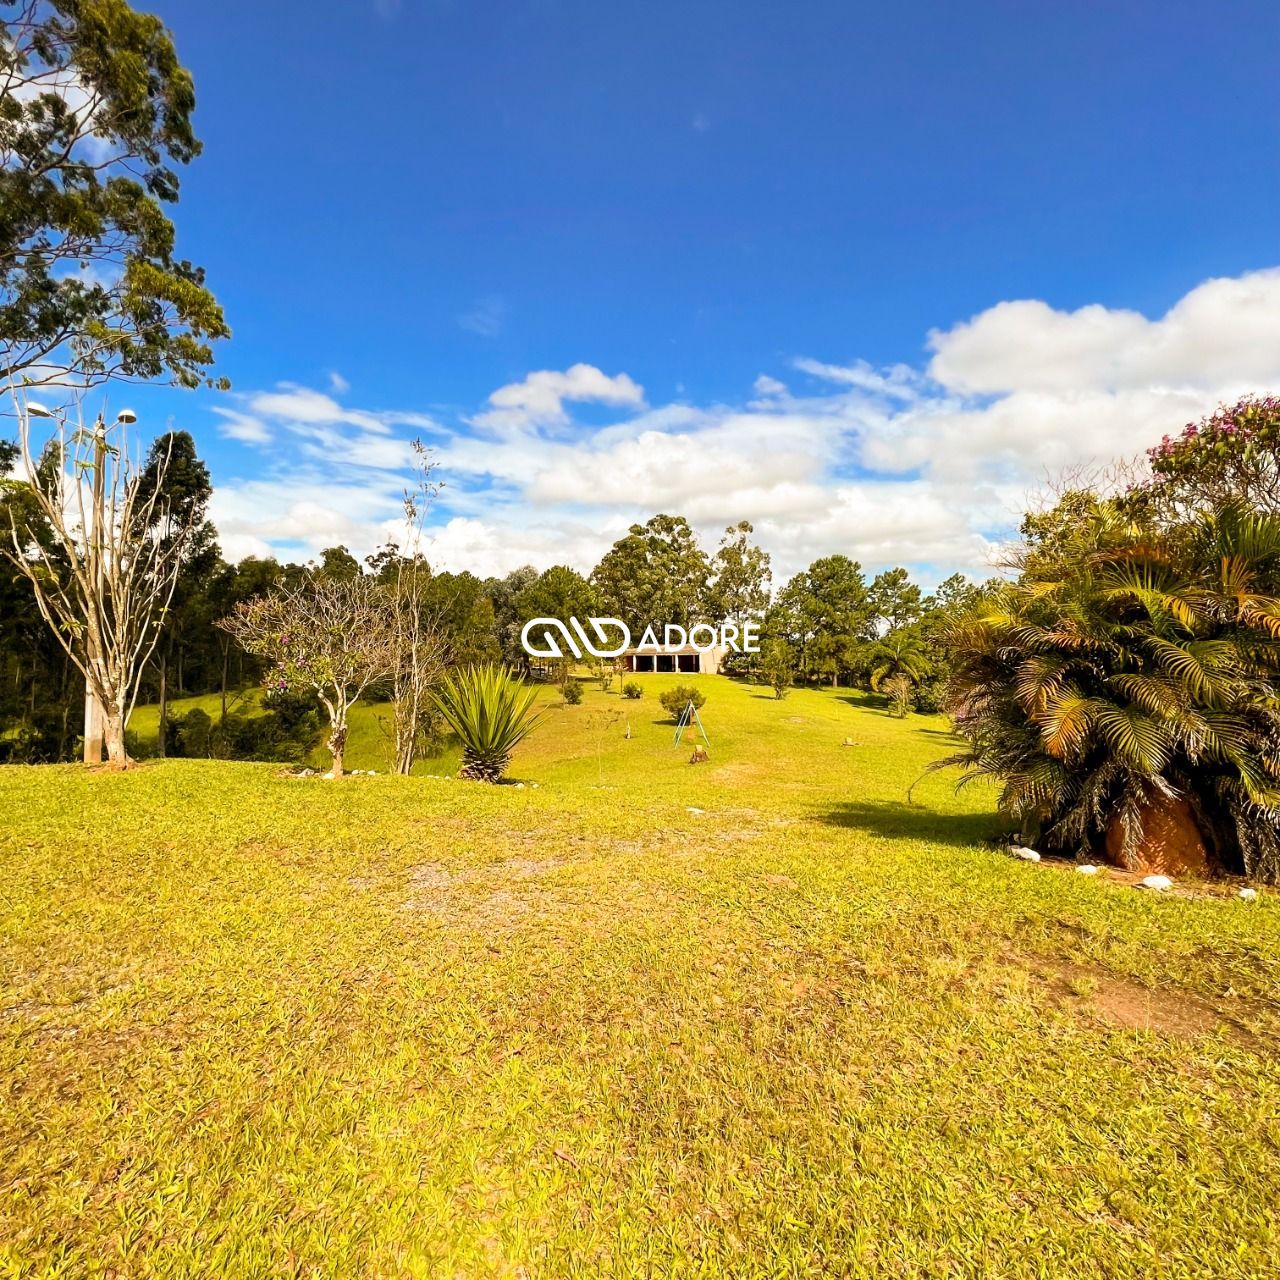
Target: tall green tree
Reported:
[(825, 614), (559, 592), (656, 574), (895, 600), (740, 576), (338, 563), (94, 119)]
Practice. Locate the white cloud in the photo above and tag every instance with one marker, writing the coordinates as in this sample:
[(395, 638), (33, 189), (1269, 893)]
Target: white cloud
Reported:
[(242, 426), (301, 404), (926, 467), (539, 399), (898, 382), (1224, 332), (338, 384)]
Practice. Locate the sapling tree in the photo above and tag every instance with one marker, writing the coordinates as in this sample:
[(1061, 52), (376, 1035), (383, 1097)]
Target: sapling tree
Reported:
[(102, 545), (422, 650), (777, 664), (335, 636)]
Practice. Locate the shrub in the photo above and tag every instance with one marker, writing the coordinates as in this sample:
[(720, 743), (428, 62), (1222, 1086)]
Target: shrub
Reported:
[(899, 690), (489, 710), (633, 689), (572, 693), (675, 700), (778, 666)]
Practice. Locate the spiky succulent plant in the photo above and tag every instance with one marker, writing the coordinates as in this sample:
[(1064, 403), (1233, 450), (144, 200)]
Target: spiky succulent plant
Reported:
[(489, 709)]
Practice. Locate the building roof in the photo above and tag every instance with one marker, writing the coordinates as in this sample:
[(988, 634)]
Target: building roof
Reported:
[(648, 652)]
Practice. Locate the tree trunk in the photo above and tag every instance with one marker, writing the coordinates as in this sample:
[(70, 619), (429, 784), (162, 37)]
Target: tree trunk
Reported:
[(113, 731), (337, 745), (226, 655), (164, 703)]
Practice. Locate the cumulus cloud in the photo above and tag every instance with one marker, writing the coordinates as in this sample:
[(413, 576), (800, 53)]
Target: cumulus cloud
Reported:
[(924, 466), (539, 399), (1224, 332)]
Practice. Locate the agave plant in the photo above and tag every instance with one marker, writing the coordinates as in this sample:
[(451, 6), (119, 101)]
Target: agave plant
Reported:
[(488, 708), (1133, 675)]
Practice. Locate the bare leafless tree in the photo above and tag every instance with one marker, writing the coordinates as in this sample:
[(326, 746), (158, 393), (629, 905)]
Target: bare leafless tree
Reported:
[(105, 571), (422, 648), (333, 636)]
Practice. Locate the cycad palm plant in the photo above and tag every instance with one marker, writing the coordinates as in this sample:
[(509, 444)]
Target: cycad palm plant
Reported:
[(1138, 673), (489, 709)]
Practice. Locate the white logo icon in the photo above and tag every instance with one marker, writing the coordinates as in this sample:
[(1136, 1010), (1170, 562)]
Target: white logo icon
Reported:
[(552, 625)]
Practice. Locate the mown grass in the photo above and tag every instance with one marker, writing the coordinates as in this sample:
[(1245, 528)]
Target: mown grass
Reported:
[(261, 1026)]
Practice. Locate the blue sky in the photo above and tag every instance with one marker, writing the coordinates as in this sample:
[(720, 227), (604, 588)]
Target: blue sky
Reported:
[(720, 236)]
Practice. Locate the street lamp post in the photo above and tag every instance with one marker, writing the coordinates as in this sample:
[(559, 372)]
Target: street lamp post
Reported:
[(93, 713)]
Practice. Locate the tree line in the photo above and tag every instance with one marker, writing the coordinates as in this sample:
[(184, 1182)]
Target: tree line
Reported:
[(829, 623)]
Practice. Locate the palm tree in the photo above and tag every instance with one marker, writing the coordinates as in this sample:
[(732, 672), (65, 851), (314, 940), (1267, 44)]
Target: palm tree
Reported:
[(902, 653), (488, 708), (1135, 678)]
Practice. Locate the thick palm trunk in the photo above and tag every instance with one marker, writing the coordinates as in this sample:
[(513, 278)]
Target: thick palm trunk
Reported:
[(482, 768), (1170, 844)]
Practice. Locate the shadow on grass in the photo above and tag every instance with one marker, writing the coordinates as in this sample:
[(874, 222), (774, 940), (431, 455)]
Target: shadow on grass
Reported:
[(895, 819), (864, 701)]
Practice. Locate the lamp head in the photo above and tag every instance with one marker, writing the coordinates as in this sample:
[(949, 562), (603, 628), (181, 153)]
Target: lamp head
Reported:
[(126, 417)]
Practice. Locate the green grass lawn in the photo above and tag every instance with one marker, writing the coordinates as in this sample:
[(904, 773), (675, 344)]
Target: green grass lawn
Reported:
[(257, 1026)]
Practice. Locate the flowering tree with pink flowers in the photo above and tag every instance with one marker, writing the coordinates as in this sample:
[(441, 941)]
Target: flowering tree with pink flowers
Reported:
[(330, 635), (1232, 456)]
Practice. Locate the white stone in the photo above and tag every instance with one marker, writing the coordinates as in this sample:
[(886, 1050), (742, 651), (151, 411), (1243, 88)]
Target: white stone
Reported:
[(1247, 894), (1027, 855), (1160, 883), (1086, 869), (691, 809)]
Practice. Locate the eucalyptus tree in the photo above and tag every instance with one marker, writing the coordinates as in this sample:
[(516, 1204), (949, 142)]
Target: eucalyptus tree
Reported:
[(95, 117)]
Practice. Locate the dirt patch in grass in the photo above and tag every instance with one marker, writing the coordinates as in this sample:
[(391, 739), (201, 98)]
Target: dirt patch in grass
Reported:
[(460, 895), (430, 875), (1129, 1006)]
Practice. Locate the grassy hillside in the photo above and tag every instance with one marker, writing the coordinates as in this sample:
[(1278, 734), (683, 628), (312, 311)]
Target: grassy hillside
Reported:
[(757, 1018)]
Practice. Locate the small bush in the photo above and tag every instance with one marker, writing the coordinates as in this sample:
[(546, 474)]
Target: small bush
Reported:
[(633, 689), (572, 693), (901, 694), (675, 700)]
